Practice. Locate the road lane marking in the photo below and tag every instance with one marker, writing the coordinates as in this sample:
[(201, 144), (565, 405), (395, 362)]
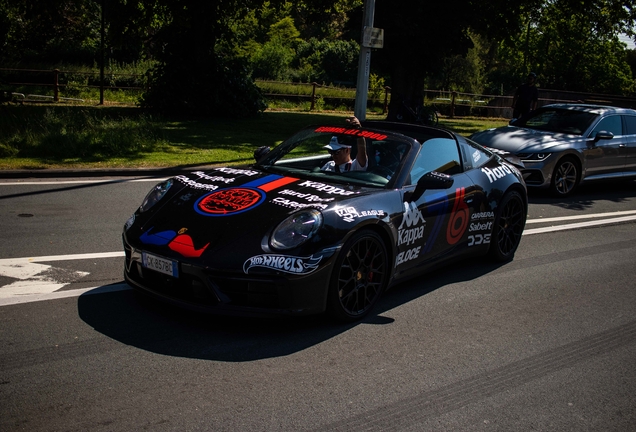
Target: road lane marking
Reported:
[(591, 216), (64, 294), (578, 225), (37, 279)]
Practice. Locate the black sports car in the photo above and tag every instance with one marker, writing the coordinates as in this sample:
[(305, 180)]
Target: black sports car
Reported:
[(283, 236)]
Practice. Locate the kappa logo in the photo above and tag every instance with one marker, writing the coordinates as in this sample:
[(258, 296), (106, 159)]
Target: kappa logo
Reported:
[(412, 215)]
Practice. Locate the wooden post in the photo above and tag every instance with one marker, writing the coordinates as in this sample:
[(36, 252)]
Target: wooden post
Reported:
[(313, 96), (56, 86), (452, 107)]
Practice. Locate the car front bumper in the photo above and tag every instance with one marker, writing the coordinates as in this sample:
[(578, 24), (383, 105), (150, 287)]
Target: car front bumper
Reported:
[(231, 293)]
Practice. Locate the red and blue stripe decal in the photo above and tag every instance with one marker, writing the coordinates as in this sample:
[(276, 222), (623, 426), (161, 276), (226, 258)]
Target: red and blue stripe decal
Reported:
[(234, 200)]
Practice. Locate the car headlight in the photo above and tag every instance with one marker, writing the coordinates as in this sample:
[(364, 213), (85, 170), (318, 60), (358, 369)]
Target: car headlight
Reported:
[(155, 195), (533, 157), (296, 229)]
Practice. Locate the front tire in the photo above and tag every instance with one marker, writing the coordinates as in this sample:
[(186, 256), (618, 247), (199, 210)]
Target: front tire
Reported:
[(508, 227), (565, 177), (359, 277)]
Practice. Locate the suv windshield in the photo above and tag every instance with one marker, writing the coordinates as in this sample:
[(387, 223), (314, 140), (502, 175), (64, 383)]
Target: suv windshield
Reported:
[(558, 120)]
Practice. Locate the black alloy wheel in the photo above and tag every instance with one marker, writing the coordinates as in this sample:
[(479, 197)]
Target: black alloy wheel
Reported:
[(508, 227), (565, 177), (359, 277)]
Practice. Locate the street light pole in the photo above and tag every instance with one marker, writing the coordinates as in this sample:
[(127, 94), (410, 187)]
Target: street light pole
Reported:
[(364, 63)]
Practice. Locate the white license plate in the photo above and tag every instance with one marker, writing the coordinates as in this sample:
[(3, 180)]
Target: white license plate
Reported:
[(162, 265)]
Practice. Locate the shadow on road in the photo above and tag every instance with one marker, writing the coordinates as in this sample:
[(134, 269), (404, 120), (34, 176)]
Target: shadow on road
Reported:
[(586, 195), (134, 320)]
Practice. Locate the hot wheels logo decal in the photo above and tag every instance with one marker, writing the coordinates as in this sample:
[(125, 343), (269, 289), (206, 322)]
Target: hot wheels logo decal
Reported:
[(284, 263), (235, 200)]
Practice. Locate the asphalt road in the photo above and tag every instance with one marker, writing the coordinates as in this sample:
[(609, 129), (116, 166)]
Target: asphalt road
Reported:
[(545, 342)]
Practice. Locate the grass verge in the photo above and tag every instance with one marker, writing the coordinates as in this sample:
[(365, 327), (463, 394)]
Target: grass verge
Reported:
[(41, 136)]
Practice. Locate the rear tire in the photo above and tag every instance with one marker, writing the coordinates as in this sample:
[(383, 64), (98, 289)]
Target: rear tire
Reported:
[(508, 227), (359, 277)]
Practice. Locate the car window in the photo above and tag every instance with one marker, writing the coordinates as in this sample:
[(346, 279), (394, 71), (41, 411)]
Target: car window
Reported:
[(630, 125), (438, 154), (611, 124), (558, 120), (473, 155)]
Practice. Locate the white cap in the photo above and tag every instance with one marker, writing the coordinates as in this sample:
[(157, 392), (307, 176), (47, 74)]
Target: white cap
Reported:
[(335, 145)]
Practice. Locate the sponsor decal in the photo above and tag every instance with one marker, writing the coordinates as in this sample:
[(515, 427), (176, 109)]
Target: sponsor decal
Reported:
[(183, 199), (204, 176), (458, 219), (328, 189), (412, 216), (283, 263), (197, 184), (226, 202), (408, 255), (480, 226), (179, 242), (410, 230), (478, 239), (495, 174), (349, 214), (409, 236), (476, 156), (194, 184), (306, 196), (296, 205), (237, 171), (482, 215), (352, 132)]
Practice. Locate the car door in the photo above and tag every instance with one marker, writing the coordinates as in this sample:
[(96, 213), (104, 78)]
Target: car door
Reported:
[(630, 143), (434, 225), (606, 156)]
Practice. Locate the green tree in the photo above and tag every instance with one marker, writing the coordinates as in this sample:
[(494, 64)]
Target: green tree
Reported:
[(573, 46)]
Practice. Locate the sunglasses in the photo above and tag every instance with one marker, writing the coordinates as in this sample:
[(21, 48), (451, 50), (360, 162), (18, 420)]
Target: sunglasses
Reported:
[(335, 152)]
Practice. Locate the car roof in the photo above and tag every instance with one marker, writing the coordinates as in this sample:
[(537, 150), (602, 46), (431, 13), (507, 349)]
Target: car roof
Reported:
[(591, 108)]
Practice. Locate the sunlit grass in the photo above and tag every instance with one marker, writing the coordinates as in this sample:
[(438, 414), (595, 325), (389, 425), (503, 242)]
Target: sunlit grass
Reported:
[(52, 136)]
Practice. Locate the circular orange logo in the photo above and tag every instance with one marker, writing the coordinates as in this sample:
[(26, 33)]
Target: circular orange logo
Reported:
[(228, 201)]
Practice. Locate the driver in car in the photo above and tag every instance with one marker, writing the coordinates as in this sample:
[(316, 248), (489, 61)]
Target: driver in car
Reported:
[(340, 152)]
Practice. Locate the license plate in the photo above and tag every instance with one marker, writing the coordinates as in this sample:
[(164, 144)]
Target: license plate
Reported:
[(162, 265)]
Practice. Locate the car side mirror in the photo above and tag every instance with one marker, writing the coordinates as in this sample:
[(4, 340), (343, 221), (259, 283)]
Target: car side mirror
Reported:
[(431, 180), (603, 135)]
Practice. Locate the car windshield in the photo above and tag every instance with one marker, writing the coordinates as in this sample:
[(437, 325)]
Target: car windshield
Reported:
[(558, 120), (304, 155)]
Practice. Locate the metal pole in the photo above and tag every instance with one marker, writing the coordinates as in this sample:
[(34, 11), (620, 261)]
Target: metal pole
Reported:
[(101, 60), (364, 64)]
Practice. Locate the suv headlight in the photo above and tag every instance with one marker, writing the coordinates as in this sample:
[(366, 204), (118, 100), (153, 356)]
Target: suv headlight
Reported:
[(296, 229), (155, 195)]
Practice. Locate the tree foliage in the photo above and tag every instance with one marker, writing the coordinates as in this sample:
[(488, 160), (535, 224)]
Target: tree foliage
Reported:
[(208, 53)]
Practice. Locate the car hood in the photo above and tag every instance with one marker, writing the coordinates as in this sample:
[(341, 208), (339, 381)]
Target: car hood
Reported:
[(225, 214), (518, 140)]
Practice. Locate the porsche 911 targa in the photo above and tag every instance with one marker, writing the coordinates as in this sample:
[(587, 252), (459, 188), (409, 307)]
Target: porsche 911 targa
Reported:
[(285, 236)]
